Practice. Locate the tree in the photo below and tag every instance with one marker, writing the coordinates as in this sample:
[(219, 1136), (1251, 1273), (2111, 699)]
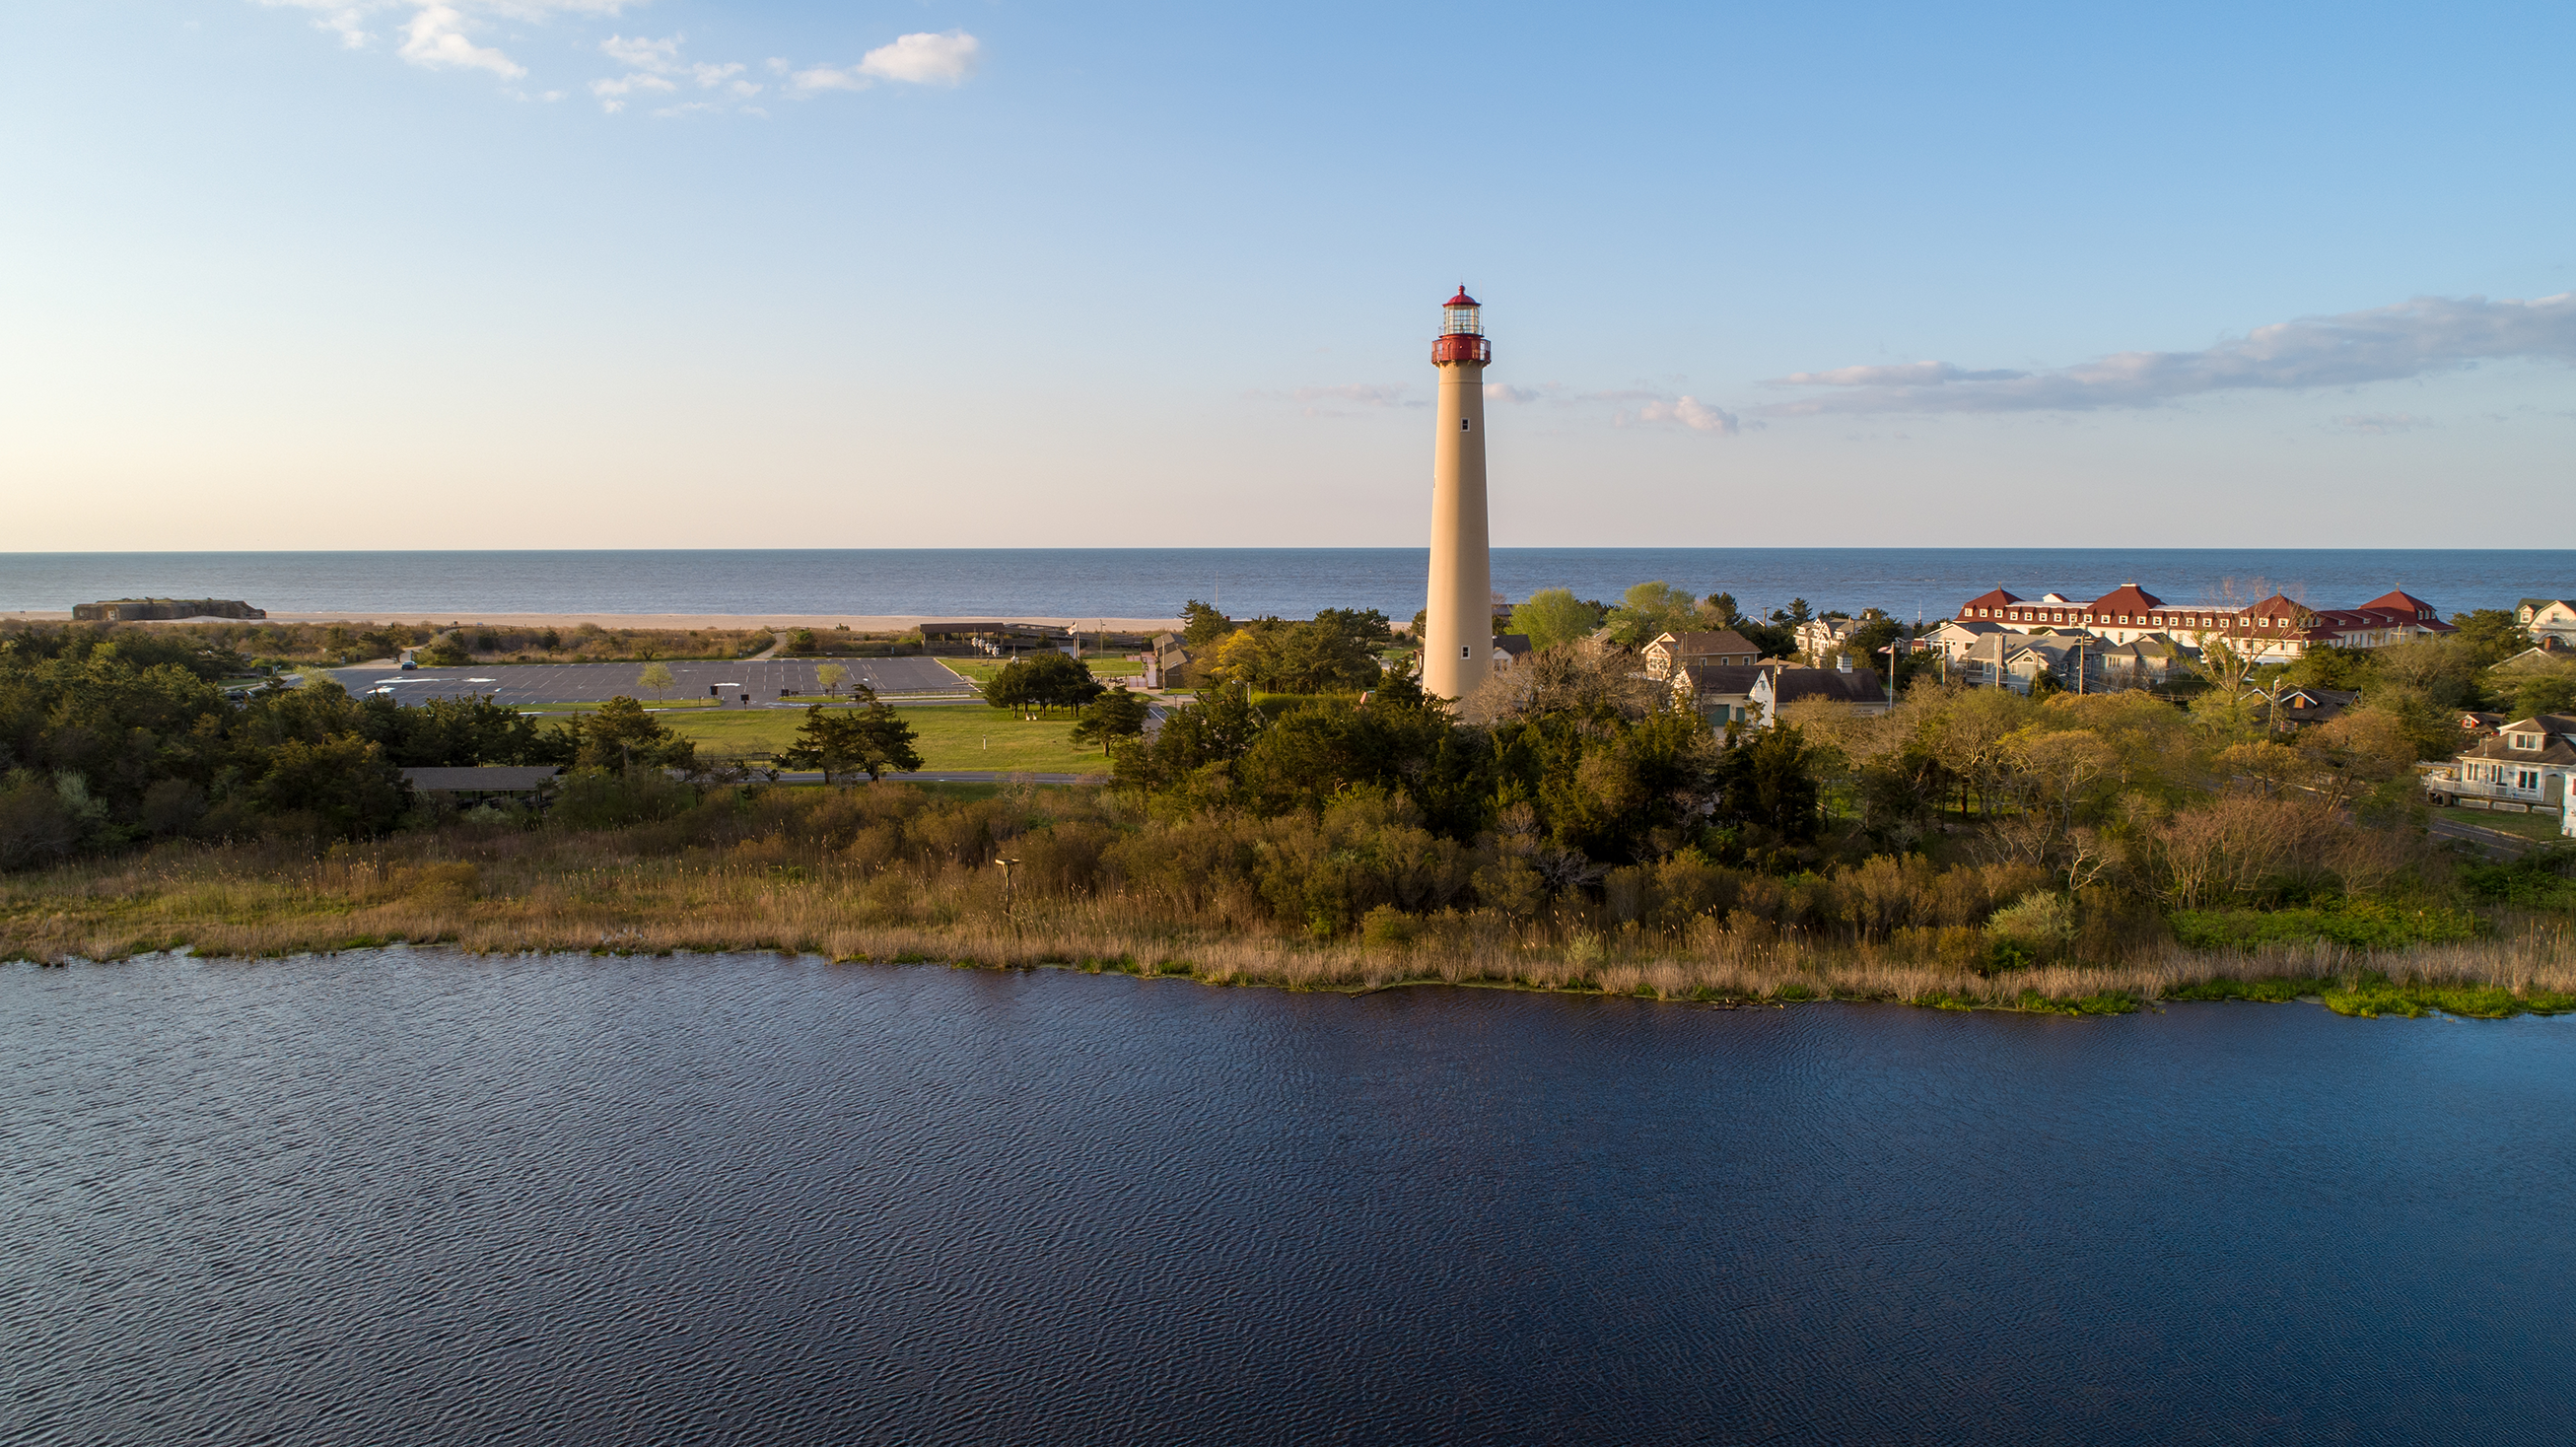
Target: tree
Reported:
[(2492, 634), (2224, 708), (656, 677), (619, 735), (1769, 786), (1042, 681), (830, 676), (801, 641), (1115, 715), (1202, 625), (1554, 616), (1650, 610), (344, 784), (840, 741), (887, 742)]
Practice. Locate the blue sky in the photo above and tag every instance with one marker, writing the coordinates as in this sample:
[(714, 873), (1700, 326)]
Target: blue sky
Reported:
[(360, 273)]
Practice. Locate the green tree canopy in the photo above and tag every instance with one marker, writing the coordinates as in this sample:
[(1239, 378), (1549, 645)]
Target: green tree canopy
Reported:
[(1554, 616), (619, 735), (1202, 625), (1649, 610), (874, 740), (1114, 715), (1042, 681)]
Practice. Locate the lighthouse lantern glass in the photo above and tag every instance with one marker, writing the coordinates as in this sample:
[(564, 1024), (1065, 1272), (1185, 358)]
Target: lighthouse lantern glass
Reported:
[(1463, 321)]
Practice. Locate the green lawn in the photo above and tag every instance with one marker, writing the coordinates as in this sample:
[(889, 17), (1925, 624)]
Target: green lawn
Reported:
[(953, 737), (981, 669), (2529, 826)]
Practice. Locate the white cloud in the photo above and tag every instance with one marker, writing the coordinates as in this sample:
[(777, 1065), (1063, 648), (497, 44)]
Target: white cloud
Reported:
[(441, 34), (642, 54), (655, 65), (918, 59), (435, 32), (435, 36), (925, 59), (1901, 374), (1687, 412), (2384, 344)]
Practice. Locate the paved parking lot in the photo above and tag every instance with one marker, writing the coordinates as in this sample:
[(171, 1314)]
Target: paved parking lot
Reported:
[(526, 684)]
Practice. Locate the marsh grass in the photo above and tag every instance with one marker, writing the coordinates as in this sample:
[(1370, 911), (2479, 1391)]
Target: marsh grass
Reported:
[(503, 890)]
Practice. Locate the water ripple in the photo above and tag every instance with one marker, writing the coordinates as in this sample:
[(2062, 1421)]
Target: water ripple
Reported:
[(411, 1196)]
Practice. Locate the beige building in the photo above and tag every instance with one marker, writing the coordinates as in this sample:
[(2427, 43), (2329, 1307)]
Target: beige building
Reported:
[(1724, 648)]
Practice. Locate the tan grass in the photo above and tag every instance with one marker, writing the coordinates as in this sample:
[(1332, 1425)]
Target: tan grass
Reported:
[(538, 892)]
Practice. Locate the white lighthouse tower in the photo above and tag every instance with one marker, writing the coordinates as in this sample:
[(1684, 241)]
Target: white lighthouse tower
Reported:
[(1458, 634)]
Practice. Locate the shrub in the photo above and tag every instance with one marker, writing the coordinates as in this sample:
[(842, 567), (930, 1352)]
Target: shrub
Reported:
[(1387, 927)]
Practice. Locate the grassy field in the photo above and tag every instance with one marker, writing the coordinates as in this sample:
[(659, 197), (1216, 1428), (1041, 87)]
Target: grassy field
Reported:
[(981, 669), (2529, 826), (951, 737)]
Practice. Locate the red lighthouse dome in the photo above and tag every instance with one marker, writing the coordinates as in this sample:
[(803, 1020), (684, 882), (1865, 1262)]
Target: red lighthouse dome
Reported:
[(1462, 332)]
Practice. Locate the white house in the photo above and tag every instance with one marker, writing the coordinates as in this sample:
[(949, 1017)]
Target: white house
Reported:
[(2548, 618), (2523, 768)]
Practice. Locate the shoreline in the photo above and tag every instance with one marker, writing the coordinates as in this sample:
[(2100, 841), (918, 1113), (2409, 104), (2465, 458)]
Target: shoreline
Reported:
[(492, 892), (2367, 993)]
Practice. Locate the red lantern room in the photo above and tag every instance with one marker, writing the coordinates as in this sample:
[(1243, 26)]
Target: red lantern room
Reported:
[(1462, 332)]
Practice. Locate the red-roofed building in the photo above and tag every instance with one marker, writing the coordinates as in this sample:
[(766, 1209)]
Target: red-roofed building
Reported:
[(1992, 607), (2277, 627)]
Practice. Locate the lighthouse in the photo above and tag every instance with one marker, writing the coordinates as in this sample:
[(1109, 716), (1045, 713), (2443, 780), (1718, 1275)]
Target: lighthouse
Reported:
[(1458, 634)]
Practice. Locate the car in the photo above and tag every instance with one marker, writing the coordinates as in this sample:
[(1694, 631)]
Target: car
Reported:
[(410, 665)]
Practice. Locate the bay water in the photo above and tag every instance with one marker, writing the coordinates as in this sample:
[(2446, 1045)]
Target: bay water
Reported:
[(422, 1197)]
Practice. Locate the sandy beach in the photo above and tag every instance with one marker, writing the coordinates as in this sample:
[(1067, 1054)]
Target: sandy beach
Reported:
[(856, 623)]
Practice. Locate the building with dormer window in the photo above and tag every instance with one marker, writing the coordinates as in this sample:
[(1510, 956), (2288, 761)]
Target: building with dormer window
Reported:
[(2522, 768), (2277, 628)]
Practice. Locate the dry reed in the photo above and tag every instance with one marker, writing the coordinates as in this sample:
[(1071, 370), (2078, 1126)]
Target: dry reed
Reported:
[(537, 892)]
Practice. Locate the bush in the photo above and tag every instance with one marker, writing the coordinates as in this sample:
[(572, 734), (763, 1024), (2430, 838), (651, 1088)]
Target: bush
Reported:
[(598, 799), (37, 827), (1387, 927), (2360, 923)]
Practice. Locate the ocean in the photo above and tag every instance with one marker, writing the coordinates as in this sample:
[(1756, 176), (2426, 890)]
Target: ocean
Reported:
[(1289, 582)]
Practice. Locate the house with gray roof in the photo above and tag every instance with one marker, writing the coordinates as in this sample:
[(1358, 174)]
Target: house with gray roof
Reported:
[(2522, 768)]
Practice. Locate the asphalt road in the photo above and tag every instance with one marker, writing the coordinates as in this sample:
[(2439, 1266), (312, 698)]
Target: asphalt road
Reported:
[(524, 684)]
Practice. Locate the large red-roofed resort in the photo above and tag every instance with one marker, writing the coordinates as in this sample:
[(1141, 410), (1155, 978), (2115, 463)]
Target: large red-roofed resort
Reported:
[(2277, 627)]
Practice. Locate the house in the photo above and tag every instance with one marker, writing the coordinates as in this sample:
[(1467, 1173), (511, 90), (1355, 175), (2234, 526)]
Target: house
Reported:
[(1510, 649), (1167, 666), (1722, 693), (2522, 769), (486, 781), (2548, 618), (2546, 656), (2016, 660), (1952, 637), (1819, 638), (2303, 706), (1724, 648), (1777, 688), (2145, 663)]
